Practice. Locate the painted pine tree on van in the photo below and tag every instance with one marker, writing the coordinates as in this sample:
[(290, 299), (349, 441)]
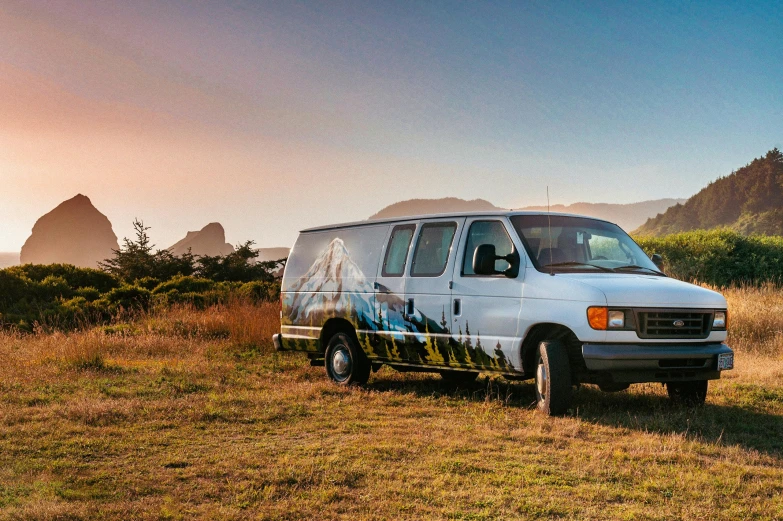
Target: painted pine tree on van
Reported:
[(385, 331)]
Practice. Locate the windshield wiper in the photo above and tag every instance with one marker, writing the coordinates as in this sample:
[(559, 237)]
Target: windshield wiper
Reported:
[(635, 267), (575, 263)]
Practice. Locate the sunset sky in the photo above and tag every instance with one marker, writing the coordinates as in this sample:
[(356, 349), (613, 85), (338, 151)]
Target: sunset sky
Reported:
[(273, 117)]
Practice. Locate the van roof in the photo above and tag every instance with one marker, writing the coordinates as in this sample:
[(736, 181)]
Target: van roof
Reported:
[(495, 213)]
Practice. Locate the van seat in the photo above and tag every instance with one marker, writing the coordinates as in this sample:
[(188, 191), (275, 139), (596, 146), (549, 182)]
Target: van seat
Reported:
[(556, 254)]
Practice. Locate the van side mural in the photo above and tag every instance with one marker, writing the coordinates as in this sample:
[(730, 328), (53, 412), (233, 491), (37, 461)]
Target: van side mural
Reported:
[(385, 331)]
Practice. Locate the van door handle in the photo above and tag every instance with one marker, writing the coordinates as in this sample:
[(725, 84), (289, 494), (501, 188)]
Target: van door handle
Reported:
[(457, 307), (411, 308)]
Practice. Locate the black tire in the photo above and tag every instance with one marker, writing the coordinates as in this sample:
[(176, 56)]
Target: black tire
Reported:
[(691, 394), (553, 378), (459, 377), (345, 363)]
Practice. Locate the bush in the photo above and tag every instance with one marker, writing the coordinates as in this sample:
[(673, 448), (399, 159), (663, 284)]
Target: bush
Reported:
[(258, 291), (89, 294), (13, 288), (129, 297), (185, 284), (74, 277), (719, 257), (149, 283), (53, 288)]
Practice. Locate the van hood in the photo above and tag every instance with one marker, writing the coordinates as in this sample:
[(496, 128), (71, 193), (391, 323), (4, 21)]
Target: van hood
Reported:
[(638, 290)]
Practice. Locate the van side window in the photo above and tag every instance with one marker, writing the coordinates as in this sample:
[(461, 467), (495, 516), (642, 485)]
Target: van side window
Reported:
[(486, 232), (432, 249), (397, 250)]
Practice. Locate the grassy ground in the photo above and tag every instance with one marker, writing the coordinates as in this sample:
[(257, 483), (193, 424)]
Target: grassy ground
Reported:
[(190, 415)]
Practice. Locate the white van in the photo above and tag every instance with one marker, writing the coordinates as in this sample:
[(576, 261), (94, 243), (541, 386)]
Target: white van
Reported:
[(564, 299)]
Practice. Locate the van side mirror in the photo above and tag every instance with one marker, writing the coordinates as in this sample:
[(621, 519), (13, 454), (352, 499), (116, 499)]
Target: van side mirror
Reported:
[(484, 262), (658, 261)]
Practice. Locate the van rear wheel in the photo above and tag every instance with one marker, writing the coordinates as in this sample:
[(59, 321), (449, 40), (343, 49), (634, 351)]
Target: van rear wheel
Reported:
[(692, 394), (345, 363), (553, 378)]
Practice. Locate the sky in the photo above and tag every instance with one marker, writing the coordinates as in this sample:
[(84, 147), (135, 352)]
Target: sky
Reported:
[(271, 117)]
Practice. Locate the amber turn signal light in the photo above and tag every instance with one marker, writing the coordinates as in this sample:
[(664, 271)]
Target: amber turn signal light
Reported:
[(597, 317)]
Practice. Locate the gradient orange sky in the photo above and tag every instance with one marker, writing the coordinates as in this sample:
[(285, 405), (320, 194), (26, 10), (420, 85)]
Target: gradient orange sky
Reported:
[(270, 118)]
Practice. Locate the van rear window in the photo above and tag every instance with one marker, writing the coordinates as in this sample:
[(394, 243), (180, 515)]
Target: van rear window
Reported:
[(432, 249), (397, 251)]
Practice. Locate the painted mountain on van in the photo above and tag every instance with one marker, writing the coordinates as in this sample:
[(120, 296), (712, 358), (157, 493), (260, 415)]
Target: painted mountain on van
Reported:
[(388, 333), (319, 294), (75, 232)]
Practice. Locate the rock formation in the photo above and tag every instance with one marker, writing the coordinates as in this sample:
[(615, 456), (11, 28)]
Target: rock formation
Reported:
[(210, 240), (73, 233)]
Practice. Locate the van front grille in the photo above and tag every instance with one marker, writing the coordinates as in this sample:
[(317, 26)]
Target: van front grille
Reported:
[(673, 324)]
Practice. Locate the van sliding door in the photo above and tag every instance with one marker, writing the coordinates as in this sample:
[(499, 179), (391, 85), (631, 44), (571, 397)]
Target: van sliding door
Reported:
[(427, 315)]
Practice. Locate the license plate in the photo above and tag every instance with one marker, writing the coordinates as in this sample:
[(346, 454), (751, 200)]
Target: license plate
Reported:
[(725, 361)]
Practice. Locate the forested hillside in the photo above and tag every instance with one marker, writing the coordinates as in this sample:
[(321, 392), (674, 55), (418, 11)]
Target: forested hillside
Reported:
[(749, 200)]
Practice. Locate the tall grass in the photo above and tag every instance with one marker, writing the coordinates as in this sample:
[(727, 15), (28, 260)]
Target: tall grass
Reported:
[(241, 322), (181, 414), (756, 319)]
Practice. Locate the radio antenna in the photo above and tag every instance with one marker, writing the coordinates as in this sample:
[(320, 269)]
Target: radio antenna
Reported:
[(549, 220)]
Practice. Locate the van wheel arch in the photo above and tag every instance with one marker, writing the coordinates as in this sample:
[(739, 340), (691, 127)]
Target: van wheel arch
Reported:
[(331, 328), (552, 331)]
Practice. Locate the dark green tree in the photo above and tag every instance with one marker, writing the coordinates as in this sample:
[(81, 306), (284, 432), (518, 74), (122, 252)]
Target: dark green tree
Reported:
[(136, 259), (238, 266)]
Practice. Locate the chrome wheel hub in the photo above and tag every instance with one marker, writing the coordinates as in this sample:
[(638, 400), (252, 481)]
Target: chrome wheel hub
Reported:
[(341, 363), (541, 379)]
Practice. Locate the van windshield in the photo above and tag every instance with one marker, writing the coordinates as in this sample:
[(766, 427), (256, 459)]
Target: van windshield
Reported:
[(561, 243)]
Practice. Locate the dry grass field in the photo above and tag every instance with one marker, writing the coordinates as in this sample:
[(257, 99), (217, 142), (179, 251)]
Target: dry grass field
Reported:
[(190, 415)]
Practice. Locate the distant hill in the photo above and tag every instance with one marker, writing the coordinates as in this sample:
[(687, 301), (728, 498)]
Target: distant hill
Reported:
[(8, 259), (75, 232), (627, 216), (430, 206), (749, 200), (210, 240)]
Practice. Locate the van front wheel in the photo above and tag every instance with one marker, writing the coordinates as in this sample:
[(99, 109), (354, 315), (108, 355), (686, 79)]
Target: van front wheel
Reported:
[(553, 378), (345, 363)]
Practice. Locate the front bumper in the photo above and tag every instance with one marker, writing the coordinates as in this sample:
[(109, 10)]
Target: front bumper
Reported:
[(630, 363)]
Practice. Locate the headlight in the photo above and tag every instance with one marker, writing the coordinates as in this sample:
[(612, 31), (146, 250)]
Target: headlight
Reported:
[(602, 318), (720, 320), (616, 319)]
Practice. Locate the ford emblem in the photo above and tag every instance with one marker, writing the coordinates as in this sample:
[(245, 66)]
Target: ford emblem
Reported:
[(678, 323)]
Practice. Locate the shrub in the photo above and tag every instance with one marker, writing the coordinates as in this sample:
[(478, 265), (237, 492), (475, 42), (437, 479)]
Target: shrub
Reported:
[(74, 277), (89, 294), (258, 291), (53, 288), (129, 297), (149, 283), (719, 257), (14, 287), (185, 284)]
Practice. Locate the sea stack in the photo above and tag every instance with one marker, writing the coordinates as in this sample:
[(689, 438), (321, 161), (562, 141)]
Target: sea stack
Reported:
[(73, 233), (210, 240)]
